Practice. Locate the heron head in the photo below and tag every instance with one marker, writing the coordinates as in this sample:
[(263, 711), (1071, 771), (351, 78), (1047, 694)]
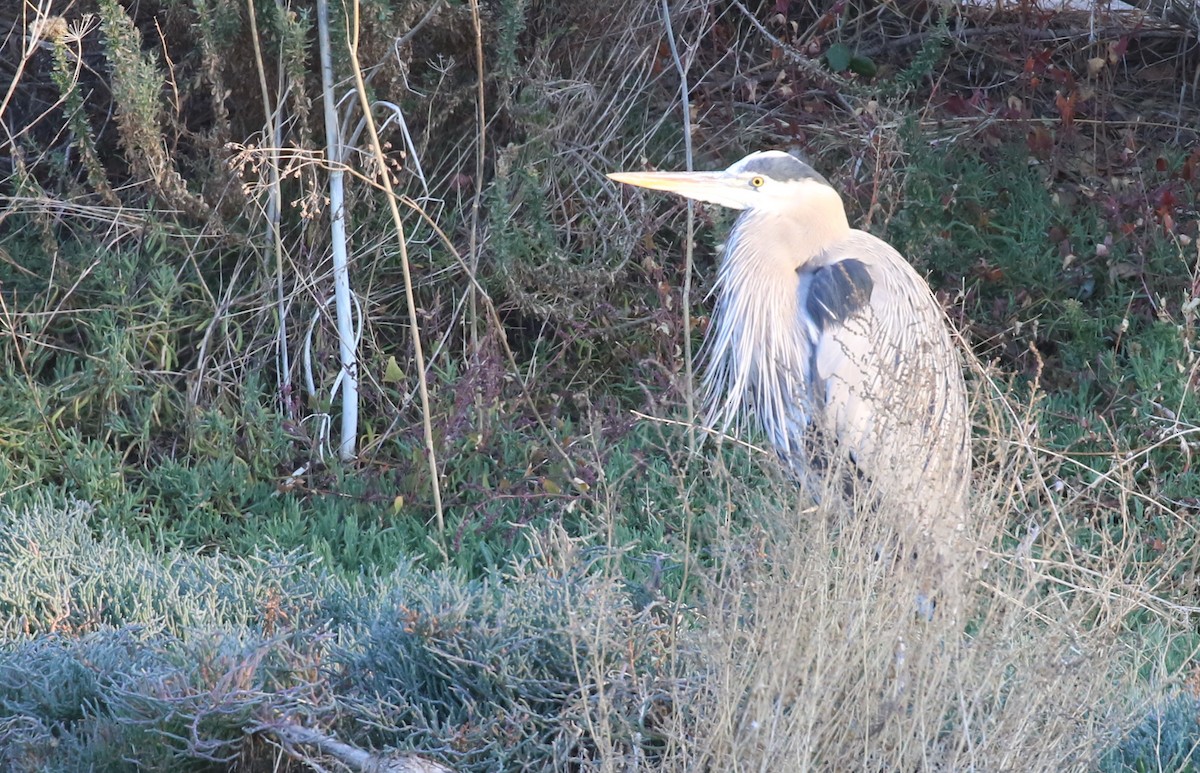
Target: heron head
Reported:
[(768, 179)]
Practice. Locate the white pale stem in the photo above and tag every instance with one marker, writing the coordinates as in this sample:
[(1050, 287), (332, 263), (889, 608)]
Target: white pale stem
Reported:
[(337, 232)]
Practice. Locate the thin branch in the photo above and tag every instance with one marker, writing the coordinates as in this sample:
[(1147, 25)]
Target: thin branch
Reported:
[(690, 233), (36, 27), (291, 735), (480, 138), (811, 67), (274, 239), (418, 352), (408, 36), (710, 431)]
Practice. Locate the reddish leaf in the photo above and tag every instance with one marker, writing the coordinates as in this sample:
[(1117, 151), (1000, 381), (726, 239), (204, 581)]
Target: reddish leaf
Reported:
[(1066, 107), (988, 273), (1038, 61), (1040, 142), (662, 58), (1061, 76), (956, 105), (1117, 48)]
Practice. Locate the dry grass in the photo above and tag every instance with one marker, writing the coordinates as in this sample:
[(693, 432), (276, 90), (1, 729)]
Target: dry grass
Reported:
[(809, 654)]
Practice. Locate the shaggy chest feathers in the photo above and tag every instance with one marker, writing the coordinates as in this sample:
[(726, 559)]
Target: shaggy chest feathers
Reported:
[(840, 355)]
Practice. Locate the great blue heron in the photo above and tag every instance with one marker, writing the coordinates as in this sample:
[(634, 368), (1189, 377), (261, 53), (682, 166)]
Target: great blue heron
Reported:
[(829, 338)]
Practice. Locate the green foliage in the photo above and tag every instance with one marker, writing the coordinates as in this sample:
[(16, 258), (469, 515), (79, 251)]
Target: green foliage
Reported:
[(510, 24), (221, 21), (102, 415), (65, 76), (840, 58), (925, 61), (148, 389), (1060, 310), (136, 87)]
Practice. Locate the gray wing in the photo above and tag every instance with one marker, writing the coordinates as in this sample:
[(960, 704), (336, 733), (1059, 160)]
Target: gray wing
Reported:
[(836, 292), (836, 310), (885, 380)]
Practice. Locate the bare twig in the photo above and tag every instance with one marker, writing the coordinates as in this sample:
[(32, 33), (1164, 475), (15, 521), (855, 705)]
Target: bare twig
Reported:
[(274, 127), (292, 735), (711, 431), (811, 68), (690, 233), (480, 147), (414, 323)]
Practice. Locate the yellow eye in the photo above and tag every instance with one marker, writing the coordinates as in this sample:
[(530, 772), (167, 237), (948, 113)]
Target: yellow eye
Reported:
[(757, 181)]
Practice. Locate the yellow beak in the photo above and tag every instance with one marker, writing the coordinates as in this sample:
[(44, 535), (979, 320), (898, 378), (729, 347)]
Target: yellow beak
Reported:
[(714, 187)]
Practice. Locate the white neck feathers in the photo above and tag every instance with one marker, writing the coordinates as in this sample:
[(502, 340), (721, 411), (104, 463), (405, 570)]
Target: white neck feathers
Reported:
[(756, 353)]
